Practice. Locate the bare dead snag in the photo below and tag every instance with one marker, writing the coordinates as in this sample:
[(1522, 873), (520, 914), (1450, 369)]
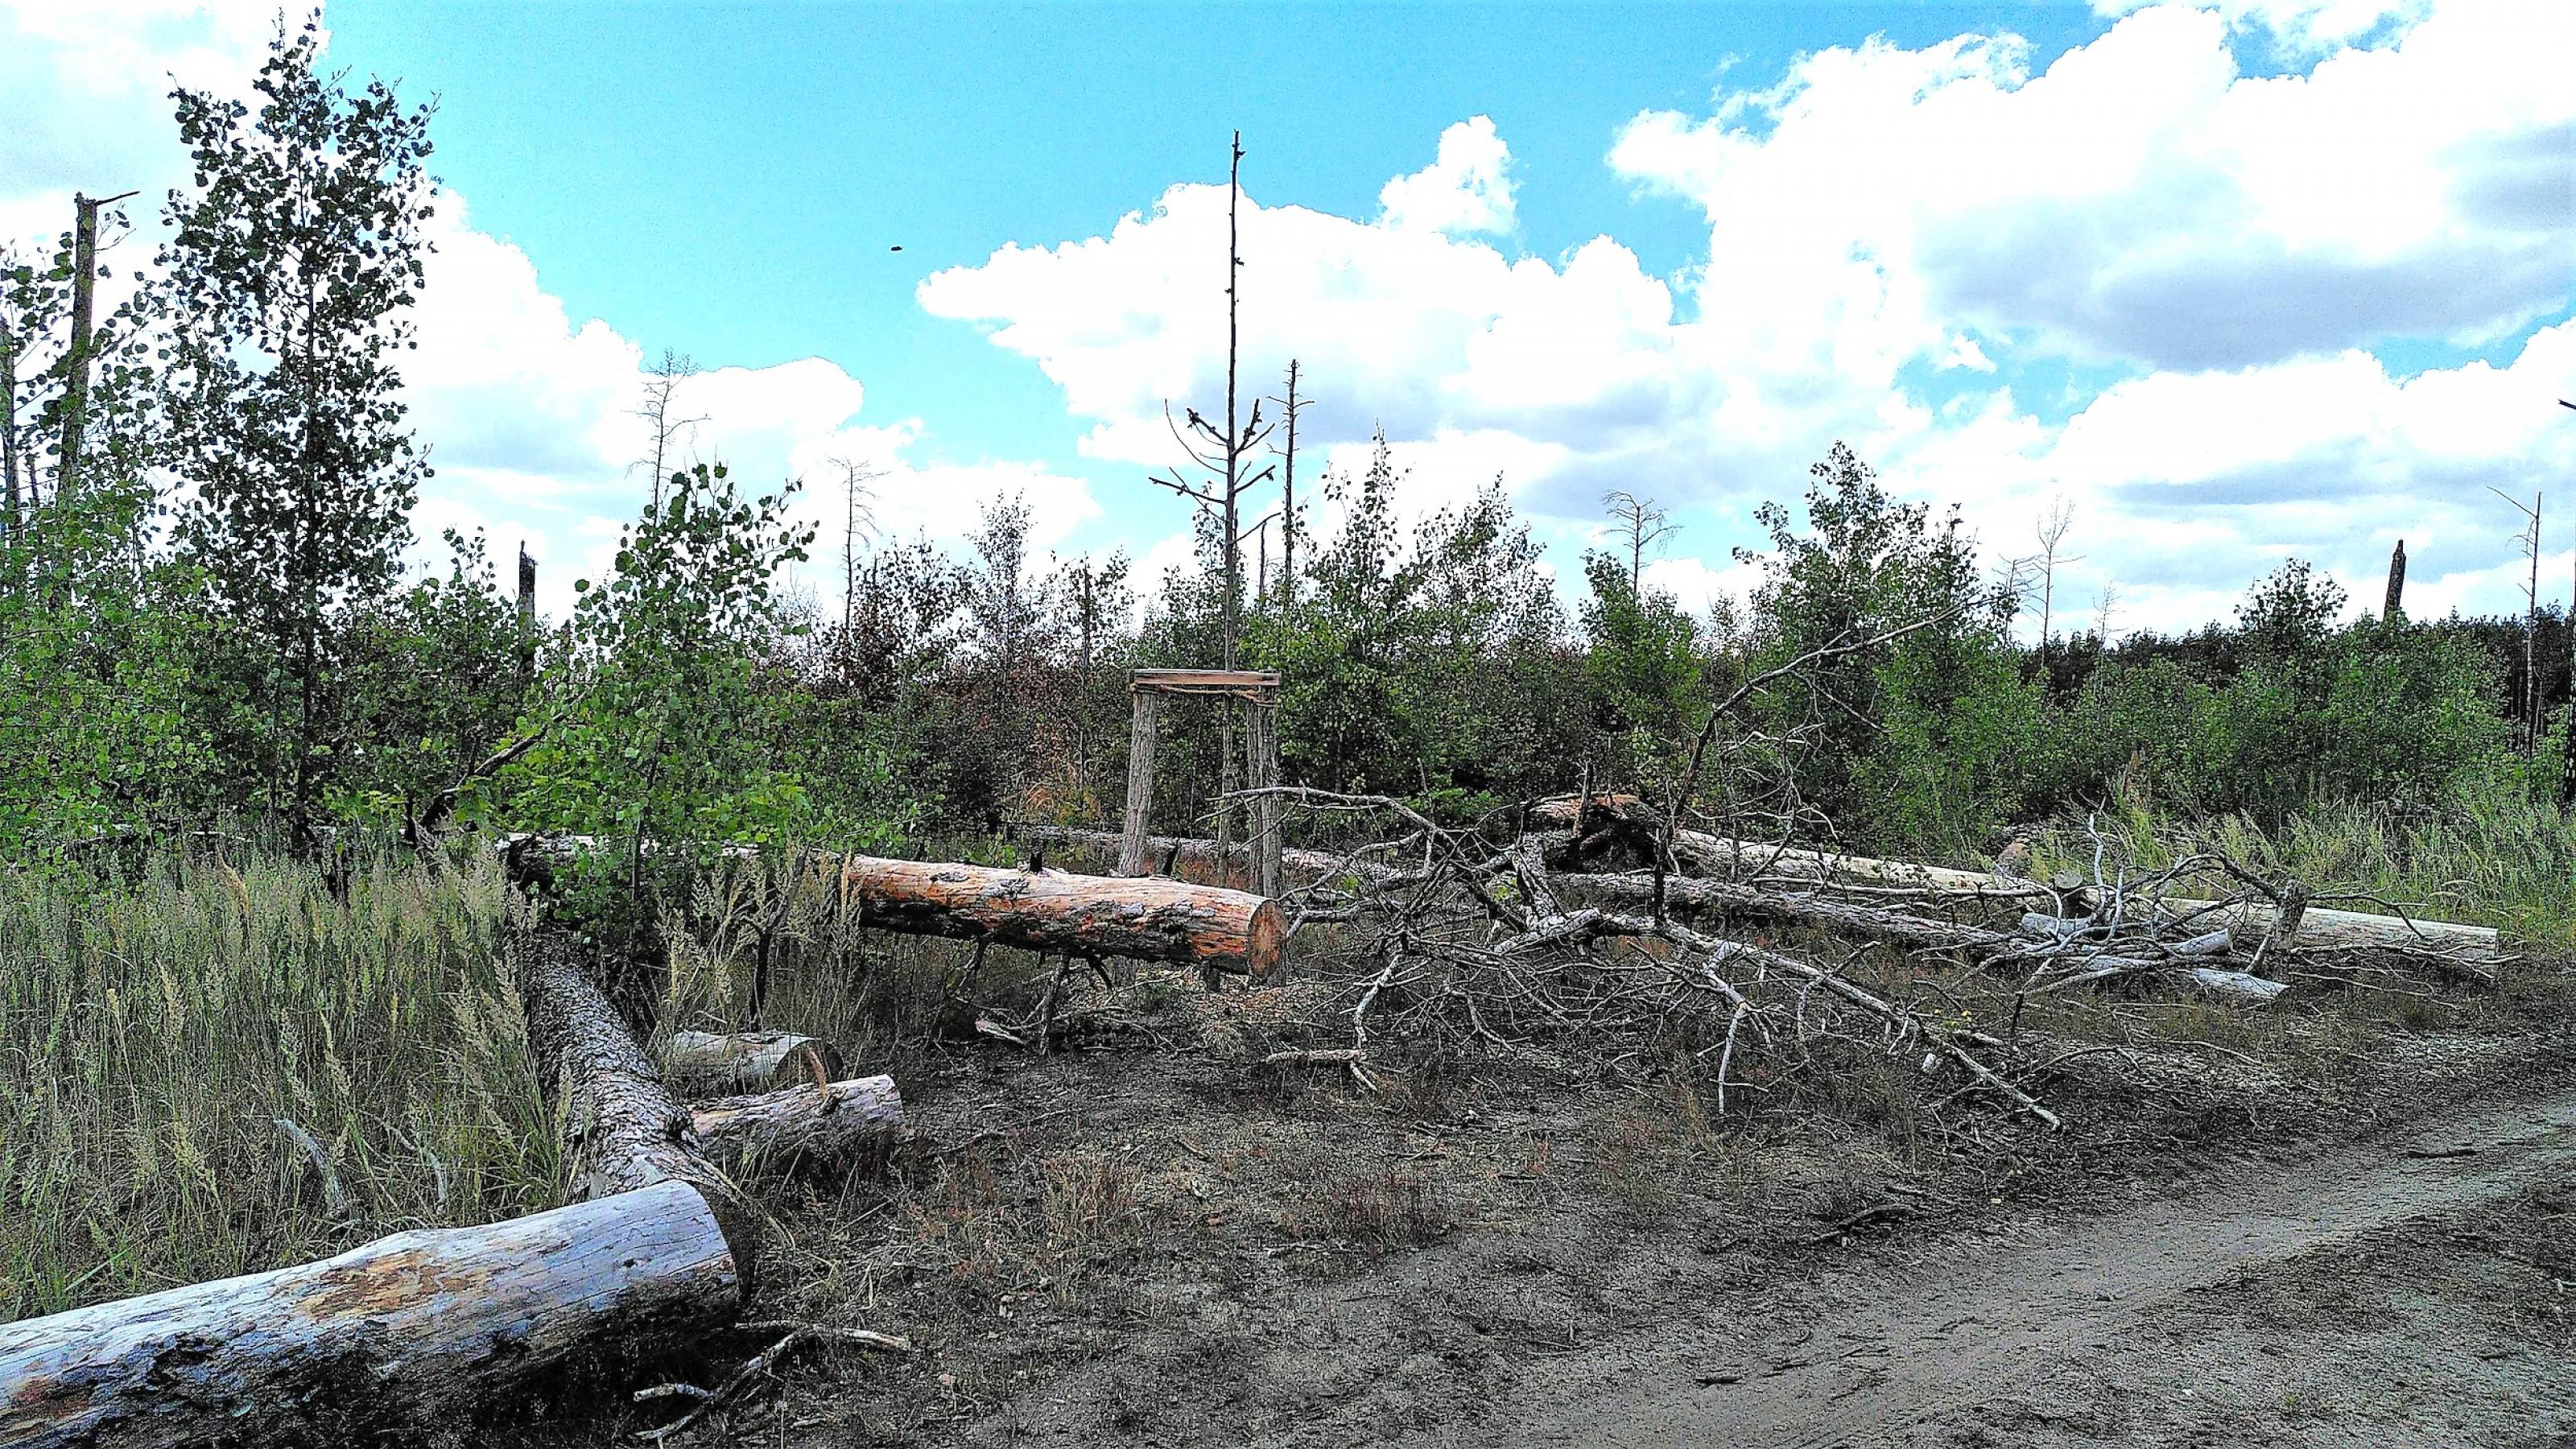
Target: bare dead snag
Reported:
[(1144, 917)]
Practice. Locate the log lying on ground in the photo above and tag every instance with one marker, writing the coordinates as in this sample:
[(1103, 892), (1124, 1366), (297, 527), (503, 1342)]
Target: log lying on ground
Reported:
[(756, 1061), (1145, 917), (802, 1126), (412, 1331), (1188, 858), (621, 1127), (403, 1332), (2317, 929)]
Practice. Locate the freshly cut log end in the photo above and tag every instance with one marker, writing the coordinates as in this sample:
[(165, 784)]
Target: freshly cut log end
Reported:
[(404, 1332), (1144, 917), (801, 1128), (754, 1061)]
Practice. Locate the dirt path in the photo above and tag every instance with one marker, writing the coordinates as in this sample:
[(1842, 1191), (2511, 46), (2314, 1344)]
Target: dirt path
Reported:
[(2350, 1297)]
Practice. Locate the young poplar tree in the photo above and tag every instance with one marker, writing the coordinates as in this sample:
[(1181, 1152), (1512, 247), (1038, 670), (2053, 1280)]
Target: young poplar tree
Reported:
[(289, 273)]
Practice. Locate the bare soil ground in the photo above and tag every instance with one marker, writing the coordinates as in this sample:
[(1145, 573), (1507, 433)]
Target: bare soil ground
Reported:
[(2302, 1231)]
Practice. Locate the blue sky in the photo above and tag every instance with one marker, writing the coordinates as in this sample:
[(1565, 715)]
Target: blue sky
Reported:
[(2232, 279)]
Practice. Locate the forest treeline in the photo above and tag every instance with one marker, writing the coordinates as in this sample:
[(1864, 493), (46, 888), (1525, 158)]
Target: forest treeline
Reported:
[(206, 618)]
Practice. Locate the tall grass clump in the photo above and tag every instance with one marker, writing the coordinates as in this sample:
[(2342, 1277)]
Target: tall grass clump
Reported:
[(212, 1066), (2489, 857)]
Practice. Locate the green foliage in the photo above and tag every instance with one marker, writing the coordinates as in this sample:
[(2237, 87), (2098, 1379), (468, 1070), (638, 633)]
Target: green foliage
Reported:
[(657, 739), (435, 678), (1642, 671), (2310, 712), (1918, 739), (1411, 663), (284, 288), (156, 1030)]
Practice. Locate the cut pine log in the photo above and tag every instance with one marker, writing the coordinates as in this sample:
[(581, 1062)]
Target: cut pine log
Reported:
[(1184, 857), (802, 1127), (403, 1333), (2316, 929), (1144, 917), (747, 1061), (621, 1129)]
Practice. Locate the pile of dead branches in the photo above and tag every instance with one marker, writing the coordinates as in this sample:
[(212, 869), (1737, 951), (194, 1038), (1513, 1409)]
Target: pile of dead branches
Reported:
[(1595, 920)]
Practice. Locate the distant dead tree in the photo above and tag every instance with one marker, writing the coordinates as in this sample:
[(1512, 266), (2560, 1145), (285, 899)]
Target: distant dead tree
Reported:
[(2529, 540), (858, 520), (2104, 603), (2393, 609), (1639, 524), (2051, 531), (1221, 454), (1290, 406), (661, 383)]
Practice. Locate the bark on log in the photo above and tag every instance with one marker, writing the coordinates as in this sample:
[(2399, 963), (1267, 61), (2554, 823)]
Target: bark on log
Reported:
[(2317, 929), (756, 1061), (621, 1128), (800, 1127), (1189, 858), (406, 1331), (1145, 917)]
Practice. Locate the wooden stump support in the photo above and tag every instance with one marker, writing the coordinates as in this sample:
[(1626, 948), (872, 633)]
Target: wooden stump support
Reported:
[(1257, 691)]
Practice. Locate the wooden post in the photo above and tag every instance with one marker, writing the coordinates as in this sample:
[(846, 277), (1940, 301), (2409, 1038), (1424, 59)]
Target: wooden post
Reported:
[(1261, 743), (1140, 785)]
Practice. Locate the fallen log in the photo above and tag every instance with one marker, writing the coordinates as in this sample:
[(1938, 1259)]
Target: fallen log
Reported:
[(404, 1332), (2314, 928), (802, 1126), (748, 1060), (621, 1128), (1189, 858), (1144, 917)]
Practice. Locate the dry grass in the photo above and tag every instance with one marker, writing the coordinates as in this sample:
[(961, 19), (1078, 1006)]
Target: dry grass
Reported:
[(219, 1066)]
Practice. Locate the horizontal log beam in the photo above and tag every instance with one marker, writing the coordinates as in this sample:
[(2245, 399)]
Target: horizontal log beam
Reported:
[(1144, 917), (402, 1333)]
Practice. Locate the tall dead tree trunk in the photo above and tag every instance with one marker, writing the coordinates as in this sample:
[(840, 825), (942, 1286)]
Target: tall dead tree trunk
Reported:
[(2394, 609), (76, 361)]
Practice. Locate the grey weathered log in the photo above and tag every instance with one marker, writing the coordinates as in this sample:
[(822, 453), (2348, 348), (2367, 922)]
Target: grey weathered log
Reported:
[(2237, 985), (800, 1127), (2471, 949), (1190, 858), (1147, 917), (622, 1130), (403, 1334), (747, 1060)]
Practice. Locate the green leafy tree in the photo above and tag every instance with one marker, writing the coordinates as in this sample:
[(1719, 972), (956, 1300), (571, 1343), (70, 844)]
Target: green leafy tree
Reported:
[(659, 745), (1918, 740), (287, 281), (1641, 670)]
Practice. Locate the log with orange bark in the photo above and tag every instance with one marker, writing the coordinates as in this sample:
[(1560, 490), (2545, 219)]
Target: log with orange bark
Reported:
[(1144, 917)]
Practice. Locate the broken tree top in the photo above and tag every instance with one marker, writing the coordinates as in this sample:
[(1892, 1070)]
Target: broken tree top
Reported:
[(1249, 683)]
